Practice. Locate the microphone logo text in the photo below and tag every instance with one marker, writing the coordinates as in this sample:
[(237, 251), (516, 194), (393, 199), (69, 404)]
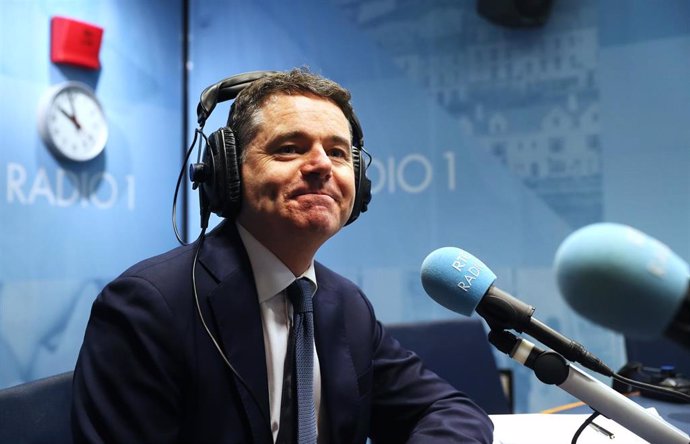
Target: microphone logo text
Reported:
[(469, 272)]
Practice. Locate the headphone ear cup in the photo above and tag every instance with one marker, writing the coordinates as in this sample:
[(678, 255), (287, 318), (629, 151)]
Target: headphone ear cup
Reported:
[(233, 175), (223, 190), (362, 186)]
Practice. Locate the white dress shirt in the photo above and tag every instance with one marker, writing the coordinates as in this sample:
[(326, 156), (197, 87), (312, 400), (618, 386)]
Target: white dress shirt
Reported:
[(271, 278)]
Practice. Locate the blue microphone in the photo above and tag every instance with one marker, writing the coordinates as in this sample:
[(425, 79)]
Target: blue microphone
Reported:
[(456, 279), (462, 283), (625, 280)]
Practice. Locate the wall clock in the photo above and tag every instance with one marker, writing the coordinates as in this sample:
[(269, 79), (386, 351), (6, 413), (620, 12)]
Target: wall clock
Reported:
[(72, 123)]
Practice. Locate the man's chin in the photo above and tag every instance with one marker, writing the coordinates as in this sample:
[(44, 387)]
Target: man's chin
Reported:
[(316, 222)]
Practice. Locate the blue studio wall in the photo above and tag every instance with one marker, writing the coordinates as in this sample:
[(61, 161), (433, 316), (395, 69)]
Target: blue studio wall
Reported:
[(498, 141), (69, 228)]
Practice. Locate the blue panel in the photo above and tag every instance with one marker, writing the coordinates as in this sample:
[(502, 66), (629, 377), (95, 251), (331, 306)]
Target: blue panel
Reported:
[(68, 228), (628, 21)]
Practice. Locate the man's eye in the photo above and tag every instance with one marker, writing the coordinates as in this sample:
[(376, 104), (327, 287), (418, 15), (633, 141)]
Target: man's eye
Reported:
[(287, 149), (338, 152)]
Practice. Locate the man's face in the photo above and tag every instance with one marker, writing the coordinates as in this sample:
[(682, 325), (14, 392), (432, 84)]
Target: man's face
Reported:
[(297, 175)]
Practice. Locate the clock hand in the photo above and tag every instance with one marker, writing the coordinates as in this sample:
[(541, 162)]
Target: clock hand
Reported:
[(70, 98), (71, 117), (68, 115)]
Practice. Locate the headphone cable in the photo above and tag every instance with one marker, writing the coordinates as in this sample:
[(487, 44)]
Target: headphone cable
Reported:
[(179, 182), (200, 241)]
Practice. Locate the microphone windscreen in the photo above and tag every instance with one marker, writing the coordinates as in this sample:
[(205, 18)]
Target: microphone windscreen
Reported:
[(622, 279), (456, 279)]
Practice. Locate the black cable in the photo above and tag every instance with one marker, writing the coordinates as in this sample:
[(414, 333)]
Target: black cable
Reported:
[(582, 427), (369, 157), (587, 422), (654, 388), (177, 186), (200, 241)]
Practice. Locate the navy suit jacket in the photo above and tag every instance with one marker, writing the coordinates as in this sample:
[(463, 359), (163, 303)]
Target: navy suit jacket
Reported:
[(148, 372)]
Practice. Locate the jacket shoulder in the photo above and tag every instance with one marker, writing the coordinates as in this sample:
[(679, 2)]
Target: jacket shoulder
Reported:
[(165, 262)]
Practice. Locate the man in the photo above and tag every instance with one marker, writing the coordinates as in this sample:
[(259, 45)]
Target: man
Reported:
[(150, 372)]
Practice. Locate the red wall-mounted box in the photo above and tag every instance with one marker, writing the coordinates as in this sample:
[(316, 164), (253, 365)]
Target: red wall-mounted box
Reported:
[(74, 42)]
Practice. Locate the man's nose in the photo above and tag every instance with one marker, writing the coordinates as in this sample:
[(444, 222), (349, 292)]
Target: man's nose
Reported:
[(317, 162)]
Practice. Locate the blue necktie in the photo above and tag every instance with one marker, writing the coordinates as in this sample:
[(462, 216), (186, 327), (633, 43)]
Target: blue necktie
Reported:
[(299, 293)]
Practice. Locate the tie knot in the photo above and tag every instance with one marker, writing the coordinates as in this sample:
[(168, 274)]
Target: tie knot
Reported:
[(299, 293)]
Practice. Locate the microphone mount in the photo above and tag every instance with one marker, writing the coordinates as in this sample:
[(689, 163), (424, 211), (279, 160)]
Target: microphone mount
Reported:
[(505, 312), (552, 368)]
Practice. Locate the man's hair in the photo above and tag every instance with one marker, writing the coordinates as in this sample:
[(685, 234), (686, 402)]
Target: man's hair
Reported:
[(244, 118)]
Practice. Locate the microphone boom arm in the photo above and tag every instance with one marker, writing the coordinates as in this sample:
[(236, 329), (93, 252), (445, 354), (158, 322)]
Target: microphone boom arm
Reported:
[(552, 368)]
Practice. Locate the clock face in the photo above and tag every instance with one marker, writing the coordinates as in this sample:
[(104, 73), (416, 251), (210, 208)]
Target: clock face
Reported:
[(72, 123)]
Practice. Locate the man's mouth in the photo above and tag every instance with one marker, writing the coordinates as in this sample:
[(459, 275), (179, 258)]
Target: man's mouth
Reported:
[(312, 193), (314, 197)]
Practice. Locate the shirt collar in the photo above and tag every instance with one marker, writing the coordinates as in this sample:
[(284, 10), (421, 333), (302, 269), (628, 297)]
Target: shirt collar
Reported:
[(271, 275)]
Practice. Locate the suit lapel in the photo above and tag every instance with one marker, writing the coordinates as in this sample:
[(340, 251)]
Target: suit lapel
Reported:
[(237, 319), (338, 376)]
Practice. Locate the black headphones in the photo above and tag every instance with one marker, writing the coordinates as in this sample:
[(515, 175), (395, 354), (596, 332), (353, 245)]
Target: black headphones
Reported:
[(218, 175)]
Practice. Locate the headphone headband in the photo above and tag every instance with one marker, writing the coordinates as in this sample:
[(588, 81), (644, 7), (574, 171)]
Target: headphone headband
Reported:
[(226, 89)]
